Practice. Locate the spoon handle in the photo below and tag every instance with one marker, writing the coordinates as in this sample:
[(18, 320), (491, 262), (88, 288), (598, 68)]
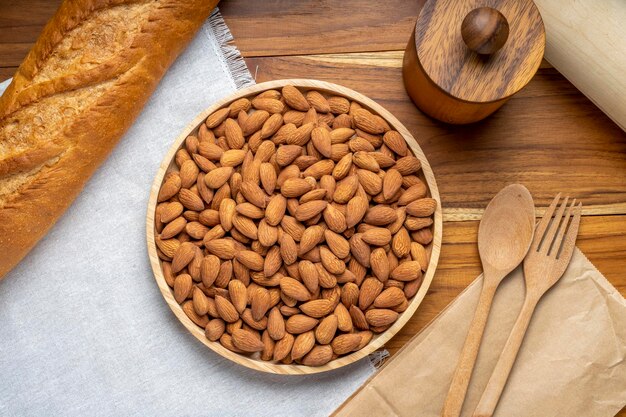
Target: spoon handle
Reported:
[(462, 374), (497, 381)]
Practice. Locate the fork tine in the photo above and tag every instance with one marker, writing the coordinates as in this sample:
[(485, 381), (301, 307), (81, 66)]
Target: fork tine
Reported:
[(569, 242), (549, 237), (543, 224), (556, 244)]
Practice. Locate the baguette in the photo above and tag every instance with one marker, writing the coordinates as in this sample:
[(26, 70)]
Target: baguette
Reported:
[(79, 89)]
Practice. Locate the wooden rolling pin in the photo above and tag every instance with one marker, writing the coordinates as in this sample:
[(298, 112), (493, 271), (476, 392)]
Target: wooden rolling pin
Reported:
[(586, 42)]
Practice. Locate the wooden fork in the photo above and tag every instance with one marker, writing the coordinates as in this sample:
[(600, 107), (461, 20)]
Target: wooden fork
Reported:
[(544, 265)]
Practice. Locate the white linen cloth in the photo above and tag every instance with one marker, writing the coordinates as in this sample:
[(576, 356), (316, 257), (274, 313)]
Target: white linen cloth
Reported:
[(84, 330)]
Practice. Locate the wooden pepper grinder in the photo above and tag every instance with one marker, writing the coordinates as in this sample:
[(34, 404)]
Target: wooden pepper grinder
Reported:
[(466, 58)]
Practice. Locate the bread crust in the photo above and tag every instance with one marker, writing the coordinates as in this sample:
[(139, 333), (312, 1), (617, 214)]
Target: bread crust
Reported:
[(74, 96)]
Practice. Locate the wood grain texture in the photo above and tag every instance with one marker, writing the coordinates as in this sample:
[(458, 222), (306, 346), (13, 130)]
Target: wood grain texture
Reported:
[(587, 45), (468, 76), (378, 340), (286, 27), (548, 136)]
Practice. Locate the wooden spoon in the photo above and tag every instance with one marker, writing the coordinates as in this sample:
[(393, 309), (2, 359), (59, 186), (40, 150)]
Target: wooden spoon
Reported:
[(504, 236)]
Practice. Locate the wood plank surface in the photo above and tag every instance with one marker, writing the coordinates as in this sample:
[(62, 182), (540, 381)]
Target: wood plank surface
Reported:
[(286, 27)]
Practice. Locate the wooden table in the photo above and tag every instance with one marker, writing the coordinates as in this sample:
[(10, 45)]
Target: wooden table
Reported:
[(549, 137)]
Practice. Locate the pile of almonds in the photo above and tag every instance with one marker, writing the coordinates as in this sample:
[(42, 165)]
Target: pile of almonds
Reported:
[(294, 225)]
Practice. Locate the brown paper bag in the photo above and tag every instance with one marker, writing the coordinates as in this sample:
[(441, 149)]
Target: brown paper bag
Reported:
[(572, 362)]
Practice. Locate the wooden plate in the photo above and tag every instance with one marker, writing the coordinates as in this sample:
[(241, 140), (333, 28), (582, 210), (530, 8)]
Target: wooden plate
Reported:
[(378, 340)]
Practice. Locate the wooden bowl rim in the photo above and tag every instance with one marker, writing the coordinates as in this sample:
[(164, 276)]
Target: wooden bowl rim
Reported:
[(258, 364)]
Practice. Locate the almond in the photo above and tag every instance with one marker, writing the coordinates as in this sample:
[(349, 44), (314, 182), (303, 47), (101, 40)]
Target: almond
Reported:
[(188, 173), (368, 122), (401, 243), (294, 289), (395, 142), (295, 187), (417, 223), (288, 249), (233, 134), (377, 236), (217, 117), (300, 323), (250, 259), (294, 98), (318, 101), (423, 207), (253, 193), (282, 348), (189, 310), (343, 167), (389, 298), (215, 329), (270, 105), (392, 182), (218, 177), (322, 141), (238, 295), (209, 269), (355, 211), (317, 308), (380, 264), (309, 210), (227, 212), (222, 248), (271, 126), (365, 161), (345, 189), (183, 284), (325, 331), (341, 135), (260, 303), (183, 255), (286, 154), (419, 254), (334, 219), (345, 343), (318, 356), (380, 216), (370, 289), (226, 310), (338, 105), (273, 261), (407, 271), (247, 341), (360, 249), (276, 324), (331, 263), (190, 200), (275, 209), (380, 317), (254, 122), (358, 318), (319, 169), (302, 345), (173, 228), (408, 165), (337, 244), (371, 183), (308, 273)]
